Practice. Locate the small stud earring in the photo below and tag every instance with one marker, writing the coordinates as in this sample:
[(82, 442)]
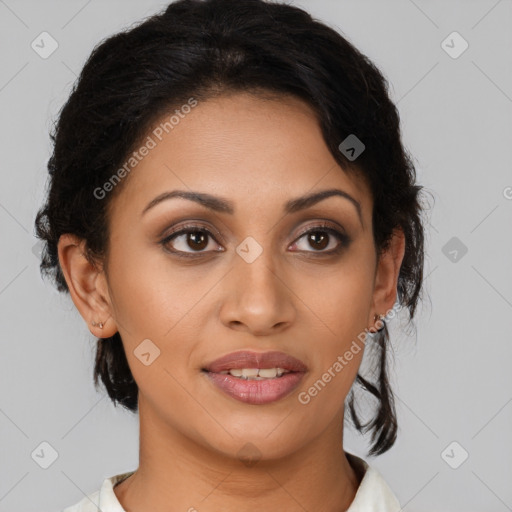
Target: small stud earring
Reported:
[(100, 325), (378, 317)]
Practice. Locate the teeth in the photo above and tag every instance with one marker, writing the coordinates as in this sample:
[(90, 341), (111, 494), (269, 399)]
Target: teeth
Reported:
[(249, 372), (256, 373), (269, 373)]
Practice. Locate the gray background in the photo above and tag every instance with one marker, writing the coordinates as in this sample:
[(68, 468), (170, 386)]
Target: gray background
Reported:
[(452, 379)]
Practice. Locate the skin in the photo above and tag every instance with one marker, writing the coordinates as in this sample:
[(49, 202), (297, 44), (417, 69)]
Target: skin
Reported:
[(258, 154)]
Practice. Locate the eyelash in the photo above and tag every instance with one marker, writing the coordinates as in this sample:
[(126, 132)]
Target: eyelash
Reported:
[(194, 228)]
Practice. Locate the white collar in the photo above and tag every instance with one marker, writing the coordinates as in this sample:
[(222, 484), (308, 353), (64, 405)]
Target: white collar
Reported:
[(373, 493)]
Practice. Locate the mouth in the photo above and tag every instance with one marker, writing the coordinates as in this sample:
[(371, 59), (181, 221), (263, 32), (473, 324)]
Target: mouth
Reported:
[(255, 373), (256, 378)]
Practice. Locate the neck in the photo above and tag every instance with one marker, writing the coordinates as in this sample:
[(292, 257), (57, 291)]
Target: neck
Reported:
[(177, 473)]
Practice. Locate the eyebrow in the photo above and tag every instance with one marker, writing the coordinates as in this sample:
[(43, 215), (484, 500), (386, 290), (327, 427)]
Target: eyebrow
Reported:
[(222, 205)]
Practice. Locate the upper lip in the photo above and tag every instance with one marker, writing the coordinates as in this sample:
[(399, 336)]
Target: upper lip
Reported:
[(247, 359)]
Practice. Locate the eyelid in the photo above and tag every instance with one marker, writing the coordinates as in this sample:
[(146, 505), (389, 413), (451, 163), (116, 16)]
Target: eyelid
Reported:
[(191, 225), (322, 223)]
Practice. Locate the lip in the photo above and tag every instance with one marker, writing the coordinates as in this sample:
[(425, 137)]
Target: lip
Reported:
[(256, 392), (248, 359)]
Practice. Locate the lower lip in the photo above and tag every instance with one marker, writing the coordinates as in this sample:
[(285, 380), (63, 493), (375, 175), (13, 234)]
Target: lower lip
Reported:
[(256, 391)]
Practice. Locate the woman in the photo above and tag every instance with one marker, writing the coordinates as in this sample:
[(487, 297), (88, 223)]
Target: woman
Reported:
[(234, 216)]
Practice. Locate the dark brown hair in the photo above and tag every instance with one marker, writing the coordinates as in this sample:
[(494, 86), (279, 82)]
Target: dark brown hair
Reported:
[(203, 48)]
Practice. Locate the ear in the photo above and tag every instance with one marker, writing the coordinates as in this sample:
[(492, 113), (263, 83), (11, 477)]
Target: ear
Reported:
[(87, 286), (386, 276)]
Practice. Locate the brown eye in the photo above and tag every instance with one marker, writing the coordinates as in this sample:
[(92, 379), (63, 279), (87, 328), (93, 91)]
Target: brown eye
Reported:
[(320, 238), (197, 240), (188, 241)]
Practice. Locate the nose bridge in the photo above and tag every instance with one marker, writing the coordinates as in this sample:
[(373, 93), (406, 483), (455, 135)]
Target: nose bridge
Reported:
[(256, 265), (258, 295)]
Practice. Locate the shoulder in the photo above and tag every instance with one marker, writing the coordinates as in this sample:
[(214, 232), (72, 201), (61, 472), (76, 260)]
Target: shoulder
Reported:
[(373, 494), (103, 499)]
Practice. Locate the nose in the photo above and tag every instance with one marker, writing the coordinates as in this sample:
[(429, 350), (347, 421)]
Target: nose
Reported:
[(258, 296)]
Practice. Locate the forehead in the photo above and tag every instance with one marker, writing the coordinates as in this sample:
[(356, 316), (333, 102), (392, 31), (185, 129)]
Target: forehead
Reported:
[(256, 151)]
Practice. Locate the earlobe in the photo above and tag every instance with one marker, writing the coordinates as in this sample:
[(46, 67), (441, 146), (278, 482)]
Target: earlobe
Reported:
[(388, 271), (85, 287)]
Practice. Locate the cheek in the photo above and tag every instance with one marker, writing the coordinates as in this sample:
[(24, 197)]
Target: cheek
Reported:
[(151, 293), (336, 308), (337, 299), (158, 306)]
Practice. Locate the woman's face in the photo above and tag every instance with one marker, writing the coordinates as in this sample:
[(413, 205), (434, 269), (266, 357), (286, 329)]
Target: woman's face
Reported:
[(249, 280)]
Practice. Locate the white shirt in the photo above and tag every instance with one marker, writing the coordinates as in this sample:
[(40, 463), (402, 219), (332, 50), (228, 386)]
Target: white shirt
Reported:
[(373, 493)]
